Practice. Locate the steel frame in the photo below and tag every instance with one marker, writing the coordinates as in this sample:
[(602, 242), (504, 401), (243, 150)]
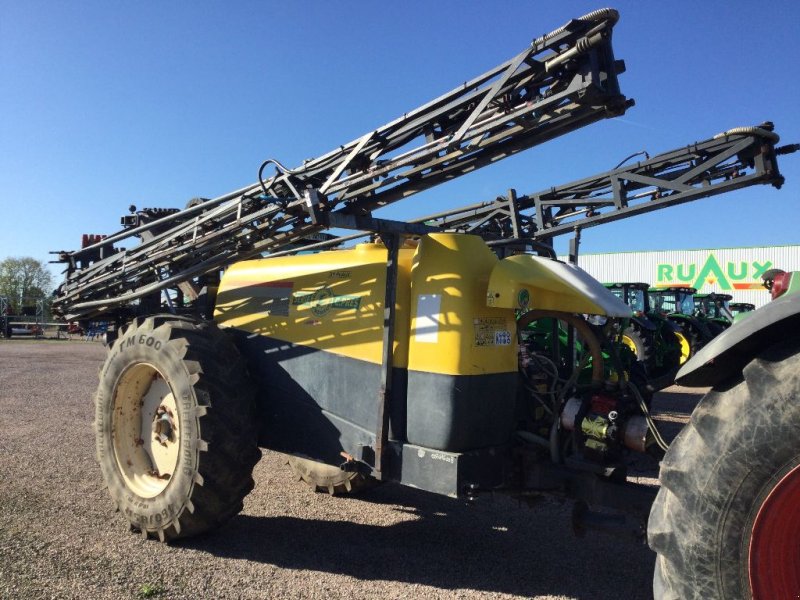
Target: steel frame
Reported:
[(563, 81), (736, 159)]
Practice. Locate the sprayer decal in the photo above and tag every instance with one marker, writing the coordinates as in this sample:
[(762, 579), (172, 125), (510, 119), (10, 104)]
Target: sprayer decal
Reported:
[(734, 275), (523, 298), (323, 300), (491, 331)]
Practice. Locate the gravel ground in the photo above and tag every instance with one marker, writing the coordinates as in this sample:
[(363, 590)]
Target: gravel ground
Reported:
[(60, 537)]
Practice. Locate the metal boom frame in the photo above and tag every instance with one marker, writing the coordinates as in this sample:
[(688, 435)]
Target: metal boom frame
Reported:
[(563, 81), (732, 160)]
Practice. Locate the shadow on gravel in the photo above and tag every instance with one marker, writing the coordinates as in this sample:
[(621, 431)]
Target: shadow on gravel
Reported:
[(497, 546)]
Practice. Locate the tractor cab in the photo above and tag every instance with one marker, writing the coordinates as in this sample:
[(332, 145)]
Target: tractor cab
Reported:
[(632, 294), (677, 305), (651, 336), (713, 310), (738, 308), (673, 300), (713, 306)]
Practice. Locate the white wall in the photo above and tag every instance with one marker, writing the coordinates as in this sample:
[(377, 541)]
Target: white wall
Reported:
[(733, 271)]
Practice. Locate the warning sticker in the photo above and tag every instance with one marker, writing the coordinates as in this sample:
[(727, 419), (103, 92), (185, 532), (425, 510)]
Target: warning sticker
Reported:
[(491, 331)]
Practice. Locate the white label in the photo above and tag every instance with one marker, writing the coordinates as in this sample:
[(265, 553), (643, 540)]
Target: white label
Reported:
[(502, 338), (428, 317)]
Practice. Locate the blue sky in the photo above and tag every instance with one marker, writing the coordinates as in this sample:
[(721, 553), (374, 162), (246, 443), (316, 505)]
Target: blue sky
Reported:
[(106, 104)]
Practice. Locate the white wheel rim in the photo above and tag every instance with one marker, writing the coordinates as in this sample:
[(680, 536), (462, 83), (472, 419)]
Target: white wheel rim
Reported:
[(145, 430)]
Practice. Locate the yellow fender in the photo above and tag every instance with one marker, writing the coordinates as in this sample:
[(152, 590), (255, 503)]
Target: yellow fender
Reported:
[(528, 282)]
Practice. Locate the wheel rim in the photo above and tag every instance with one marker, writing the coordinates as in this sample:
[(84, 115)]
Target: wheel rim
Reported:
[(686, 348), (631, 345), (774, 556), (145, 430)]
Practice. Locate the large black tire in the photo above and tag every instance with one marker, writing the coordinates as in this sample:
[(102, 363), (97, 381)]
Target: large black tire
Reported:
[(640, 341), (175, 427), (329, 478), (692, 335), (716, 477), (671, 351)]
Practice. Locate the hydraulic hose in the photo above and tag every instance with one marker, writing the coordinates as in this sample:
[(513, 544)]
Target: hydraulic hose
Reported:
[(596, 15), (582, 327), (759, 131)]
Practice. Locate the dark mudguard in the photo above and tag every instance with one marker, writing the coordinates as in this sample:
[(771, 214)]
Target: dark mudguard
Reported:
[(729, 352)]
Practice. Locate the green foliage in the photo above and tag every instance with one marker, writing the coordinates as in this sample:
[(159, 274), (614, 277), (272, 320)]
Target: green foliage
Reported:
[(24, 278), (151, 590)]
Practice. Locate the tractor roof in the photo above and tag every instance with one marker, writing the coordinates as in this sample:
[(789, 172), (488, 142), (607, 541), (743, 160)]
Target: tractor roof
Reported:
[(638, 285), (714, 296), (677, 288)]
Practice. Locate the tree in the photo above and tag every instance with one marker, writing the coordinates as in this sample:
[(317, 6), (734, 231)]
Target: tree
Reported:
[(24, 280)]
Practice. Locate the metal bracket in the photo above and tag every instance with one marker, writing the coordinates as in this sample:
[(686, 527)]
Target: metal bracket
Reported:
[(312, 205), (392, 242)]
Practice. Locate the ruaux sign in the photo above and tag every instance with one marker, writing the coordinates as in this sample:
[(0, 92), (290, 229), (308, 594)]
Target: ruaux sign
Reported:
[(728, 275)]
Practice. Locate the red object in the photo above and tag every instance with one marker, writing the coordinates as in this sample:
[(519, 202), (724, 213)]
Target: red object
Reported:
[(774, 556), (602, 404), (780, 284), (89, 239)]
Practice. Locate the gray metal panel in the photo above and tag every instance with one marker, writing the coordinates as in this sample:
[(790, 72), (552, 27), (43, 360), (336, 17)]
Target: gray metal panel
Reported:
[(448, 473), (727, 354)]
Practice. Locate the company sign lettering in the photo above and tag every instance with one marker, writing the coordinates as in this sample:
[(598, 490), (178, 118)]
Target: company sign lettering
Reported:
[(739, 275)]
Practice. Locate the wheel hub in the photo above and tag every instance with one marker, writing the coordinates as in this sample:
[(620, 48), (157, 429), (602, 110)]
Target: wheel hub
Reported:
[(163, 426), (774, 554), (146, 430)]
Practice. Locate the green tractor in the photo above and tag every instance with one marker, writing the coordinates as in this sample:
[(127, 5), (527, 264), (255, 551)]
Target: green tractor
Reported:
[(740, 310), (713, 309), (566, 348), (651, 336), (677, 305)]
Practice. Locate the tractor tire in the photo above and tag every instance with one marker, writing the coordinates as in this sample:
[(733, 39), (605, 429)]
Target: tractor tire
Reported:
[(640, 342), (672, 352), (329, 478), (175, 427), (693, 339), (725, 523)]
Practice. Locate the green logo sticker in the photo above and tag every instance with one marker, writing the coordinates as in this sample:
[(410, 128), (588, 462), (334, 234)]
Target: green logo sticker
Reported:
[(523, 298), (323, 300)]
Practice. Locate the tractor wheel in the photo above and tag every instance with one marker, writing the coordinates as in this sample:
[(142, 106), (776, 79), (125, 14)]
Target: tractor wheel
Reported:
[(692, 340), (175, 427), (725, 523), (329, 478), (675, 345), (685, 346), (640, 342)]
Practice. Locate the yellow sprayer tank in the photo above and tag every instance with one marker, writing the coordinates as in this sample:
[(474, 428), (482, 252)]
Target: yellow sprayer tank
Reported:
[(462, 354), (312, 324)]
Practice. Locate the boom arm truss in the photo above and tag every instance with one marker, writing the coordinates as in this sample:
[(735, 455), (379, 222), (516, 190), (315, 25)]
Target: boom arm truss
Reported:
[(729, 161), (563, 81)]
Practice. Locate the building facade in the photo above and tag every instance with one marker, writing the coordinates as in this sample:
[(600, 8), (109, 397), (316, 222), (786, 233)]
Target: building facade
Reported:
[(734, 271)]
